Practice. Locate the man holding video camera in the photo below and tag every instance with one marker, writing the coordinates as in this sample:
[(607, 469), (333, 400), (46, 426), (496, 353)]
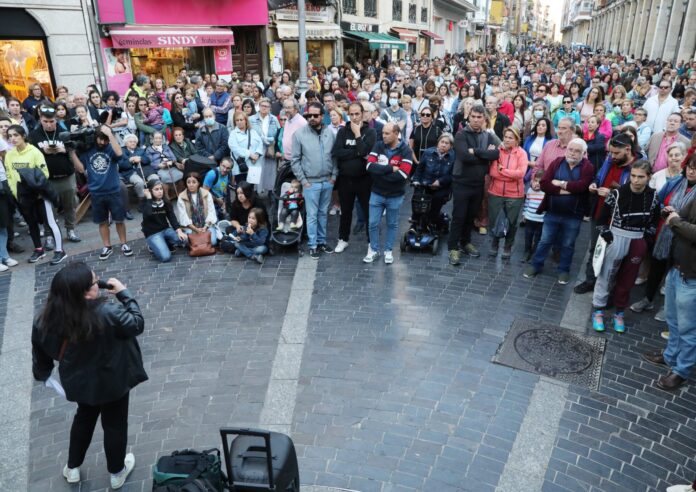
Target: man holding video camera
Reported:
[(46, 138), (100, 163)]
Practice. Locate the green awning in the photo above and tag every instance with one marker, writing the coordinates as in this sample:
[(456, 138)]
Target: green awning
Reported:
[(379, 41)]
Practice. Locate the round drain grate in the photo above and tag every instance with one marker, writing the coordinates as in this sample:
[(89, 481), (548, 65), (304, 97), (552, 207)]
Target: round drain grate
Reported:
[(553, 352)]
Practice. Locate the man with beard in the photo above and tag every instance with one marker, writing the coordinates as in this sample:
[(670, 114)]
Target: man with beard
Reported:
[(100, 163), (316, 169), (615, 172)]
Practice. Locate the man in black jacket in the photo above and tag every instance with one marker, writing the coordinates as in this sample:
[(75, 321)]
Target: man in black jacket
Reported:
[(474, 150), (353, 144), (60, 168)]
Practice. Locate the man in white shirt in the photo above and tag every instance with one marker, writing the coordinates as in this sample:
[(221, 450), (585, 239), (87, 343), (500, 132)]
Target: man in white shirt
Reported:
[(660, 106)]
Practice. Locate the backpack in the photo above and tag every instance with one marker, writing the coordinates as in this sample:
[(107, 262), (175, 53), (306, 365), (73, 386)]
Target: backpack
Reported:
[(191, 469)]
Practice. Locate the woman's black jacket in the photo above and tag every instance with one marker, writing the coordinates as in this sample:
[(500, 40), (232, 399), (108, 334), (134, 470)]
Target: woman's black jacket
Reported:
[(102, 369)]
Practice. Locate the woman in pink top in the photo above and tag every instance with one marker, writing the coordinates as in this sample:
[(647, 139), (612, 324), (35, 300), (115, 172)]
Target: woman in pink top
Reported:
[(506, 189)]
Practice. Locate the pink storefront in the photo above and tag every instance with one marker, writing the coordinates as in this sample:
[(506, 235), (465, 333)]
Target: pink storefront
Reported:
[(159, 38)]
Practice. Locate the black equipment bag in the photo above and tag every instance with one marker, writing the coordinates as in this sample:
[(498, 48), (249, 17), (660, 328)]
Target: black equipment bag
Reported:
[(192, 485), (200, 164), (186, 467), (259, 460)]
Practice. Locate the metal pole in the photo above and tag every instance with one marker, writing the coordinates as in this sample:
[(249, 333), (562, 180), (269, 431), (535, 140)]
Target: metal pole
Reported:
[(302, 48)]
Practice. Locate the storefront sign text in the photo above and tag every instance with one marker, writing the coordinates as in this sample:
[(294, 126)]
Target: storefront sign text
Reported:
[(136, 40), (359, 27), (312, 14)]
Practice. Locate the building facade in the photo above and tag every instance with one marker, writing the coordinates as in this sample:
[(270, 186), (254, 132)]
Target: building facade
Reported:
[(575, 22), (664, 29), (447, 23), (49, 43), (142, 36)]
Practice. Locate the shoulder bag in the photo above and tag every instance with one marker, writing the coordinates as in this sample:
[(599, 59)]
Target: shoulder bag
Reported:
[(600, 250), (200, 244)]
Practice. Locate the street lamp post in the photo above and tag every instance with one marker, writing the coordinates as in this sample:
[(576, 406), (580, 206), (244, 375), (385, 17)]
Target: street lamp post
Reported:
[(302, 48)]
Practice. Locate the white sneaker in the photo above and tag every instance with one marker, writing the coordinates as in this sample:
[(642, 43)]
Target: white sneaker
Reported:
[(3, 267), (10, 262), (371, 255), (341, 246), (388, 257), (118, 479), (72, 475)]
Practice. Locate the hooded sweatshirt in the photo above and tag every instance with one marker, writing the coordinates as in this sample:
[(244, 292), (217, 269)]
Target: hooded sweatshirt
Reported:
[(351, 152), (470, 169)]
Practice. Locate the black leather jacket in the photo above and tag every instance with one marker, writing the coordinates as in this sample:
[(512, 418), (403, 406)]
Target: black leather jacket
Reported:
[(100, 370)]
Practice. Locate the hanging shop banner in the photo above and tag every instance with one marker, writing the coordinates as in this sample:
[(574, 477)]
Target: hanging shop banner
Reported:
[(223, 60)]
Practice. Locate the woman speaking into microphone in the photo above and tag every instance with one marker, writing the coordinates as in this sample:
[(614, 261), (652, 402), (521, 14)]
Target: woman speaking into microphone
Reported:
[(99, 361)]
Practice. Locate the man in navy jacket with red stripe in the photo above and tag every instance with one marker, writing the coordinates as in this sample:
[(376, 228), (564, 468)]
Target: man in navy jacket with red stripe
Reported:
[(389, 164)]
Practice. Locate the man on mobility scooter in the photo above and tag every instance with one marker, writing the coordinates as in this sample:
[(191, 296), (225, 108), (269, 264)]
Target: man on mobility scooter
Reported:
[(432, 182)]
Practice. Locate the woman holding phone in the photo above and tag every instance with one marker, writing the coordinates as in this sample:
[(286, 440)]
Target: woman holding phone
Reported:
[(99, 361)]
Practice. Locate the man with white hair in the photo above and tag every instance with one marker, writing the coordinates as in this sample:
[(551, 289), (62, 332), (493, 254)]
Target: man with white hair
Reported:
[(566, 182)]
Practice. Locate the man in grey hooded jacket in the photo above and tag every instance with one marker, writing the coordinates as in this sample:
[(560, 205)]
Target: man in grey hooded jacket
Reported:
[(316, 169)]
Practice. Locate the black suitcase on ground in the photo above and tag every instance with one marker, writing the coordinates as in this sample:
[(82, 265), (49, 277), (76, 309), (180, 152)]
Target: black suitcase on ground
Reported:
[(259, 460)]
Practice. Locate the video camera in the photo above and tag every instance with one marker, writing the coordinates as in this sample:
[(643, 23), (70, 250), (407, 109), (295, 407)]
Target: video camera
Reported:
[(80, 140)]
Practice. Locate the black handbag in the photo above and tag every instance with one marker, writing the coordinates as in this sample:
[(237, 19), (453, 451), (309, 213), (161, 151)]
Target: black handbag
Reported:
[(241, 161)]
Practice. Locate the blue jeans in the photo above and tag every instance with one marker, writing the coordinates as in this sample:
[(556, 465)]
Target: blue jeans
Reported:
[(317, 200), (249, 251), (159, 244), (557, 228), (4, 254), (378, 204), (680, 314)]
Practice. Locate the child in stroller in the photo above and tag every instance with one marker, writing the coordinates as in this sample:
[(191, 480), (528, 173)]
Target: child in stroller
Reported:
[(292, 199)]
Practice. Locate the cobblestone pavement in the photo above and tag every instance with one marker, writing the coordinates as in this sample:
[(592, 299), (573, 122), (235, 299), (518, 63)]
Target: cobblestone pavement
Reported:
[(396, 390)]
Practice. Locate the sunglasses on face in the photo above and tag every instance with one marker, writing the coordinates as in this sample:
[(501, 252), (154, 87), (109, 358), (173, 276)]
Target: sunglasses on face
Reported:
[(312, 115), (426, 115)]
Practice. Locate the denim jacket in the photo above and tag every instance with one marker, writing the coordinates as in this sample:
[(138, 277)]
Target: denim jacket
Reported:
[(273, 128), (433, 167)]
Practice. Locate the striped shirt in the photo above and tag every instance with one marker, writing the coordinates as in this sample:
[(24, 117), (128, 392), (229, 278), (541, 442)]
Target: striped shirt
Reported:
[(531, 205)]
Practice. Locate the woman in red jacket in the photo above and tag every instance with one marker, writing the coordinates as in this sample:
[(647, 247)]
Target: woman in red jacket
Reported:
[(506, 191)]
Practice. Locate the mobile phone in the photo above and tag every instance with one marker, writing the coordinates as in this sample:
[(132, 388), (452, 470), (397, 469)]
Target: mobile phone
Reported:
[(665, 213), (103, 284)]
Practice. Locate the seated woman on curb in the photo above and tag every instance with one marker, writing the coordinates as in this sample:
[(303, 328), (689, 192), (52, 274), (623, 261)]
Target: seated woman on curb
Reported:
[(240, 208), (160, 226), (195, 210), (251, 242), (163, 160)]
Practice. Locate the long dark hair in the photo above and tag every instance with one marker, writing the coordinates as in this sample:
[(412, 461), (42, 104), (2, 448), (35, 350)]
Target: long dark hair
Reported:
[(67, 312)]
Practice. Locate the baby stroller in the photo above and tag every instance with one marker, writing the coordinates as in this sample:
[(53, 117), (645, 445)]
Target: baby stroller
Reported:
[(423, 235), (287, 236)]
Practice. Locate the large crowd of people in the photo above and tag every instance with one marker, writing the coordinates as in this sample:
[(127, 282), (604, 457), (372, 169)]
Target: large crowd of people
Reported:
[(532, 143)]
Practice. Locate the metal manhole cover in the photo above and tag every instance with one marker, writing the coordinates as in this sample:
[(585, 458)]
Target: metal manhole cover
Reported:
[(552, 351)]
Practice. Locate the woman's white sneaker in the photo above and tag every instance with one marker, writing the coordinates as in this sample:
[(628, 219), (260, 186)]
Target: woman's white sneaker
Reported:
[(388, 257), (72, 475), (118, 479), (10, 262), (341, 246)]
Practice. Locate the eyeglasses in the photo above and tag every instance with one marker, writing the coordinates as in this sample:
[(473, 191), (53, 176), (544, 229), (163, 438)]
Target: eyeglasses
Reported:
[(428, 115), (567, 102), (313, 115)]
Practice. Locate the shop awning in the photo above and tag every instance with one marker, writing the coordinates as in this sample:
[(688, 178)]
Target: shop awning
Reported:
[(313, 30), (169, 37), (406, 34), (378, 40), (434, 37)]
